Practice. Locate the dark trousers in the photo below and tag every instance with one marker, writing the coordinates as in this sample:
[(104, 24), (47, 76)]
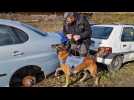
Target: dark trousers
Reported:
[(79, 50)]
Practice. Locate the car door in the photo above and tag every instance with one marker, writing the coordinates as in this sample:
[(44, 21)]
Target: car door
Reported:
[(10, 51), (6, 42), (132, 45), (127, 42)]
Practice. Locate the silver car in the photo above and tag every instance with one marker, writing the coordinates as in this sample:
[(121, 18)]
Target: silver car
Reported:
[(25, 51)]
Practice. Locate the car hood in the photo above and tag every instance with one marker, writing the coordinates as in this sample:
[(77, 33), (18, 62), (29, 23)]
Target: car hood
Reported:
[(54, 36)]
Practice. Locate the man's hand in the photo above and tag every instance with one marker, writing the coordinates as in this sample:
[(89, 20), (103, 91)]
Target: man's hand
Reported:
[(69, 36), (76, 37)]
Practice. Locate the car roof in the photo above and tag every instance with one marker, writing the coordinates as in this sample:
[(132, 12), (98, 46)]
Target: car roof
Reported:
[(10, 22)]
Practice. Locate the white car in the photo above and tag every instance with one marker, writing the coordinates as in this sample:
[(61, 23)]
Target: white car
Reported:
[(25, 51), (117, 41)]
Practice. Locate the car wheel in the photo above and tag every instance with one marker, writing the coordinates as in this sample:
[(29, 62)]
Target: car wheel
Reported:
[(23, 81), (26, 78), (116, 63)]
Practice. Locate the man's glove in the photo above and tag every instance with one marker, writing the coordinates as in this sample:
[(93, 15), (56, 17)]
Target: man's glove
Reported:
[(69, 36), (76, 37)]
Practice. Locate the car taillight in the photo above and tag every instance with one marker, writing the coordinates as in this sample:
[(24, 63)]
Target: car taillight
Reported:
[(105, 50)]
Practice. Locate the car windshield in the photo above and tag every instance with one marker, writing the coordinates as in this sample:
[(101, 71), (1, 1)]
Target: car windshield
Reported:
[(36, 30), (101, 32)]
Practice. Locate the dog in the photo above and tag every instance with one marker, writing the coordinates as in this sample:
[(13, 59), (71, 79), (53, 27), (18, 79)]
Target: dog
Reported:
[(62, 56), (88, 64)]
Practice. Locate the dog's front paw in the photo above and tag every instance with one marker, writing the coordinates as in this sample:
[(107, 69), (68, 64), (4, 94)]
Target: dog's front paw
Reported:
[(66, 85), (56, 74), (58, 77)]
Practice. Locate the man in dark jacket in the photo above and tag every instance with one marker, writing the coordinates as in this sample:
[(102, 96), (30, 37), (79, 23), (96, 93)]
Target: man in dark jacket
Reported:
[(77, 29)]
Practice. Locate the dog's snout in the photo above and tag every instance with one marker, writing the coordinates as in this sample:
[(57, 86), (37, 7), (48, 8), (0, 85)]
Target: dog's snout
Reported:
[(55, 45)]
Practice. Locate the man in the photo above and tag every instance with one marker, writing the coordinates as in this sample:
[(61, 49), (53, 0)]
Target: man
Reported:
[(77, 30)]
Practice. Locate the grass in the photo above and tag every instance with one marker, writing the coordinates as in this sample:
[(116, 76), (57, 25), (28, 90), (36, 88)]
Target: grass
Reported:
[(104, 75)]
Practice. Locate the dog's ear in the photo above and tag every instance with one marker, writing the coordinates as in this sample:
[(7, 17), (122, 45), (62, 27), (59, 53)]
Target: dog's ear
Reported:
[(55, 46)]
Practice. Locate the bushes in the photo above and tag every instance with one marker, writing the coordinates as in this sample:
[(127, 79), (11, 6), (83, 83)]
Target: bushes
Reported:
[(124, 18)]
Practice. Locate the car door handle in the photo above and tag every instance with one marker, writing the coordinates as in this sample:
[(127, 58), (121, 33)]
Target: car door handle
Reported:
[(124, 45), (17, 53), (1, 75)]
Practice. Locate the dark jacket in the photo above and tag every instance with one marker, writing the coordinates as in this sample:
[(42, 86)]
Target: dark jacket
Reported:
[(80, 27)]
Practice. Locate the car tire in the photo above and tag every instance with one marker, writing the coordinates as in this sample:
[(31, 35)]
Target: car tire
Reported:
[(27, 78), (116, 63)]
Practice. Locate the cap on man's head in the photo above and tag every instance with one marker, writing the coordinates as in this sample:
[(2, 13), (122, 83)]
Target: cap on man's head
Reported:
[(67, 14)]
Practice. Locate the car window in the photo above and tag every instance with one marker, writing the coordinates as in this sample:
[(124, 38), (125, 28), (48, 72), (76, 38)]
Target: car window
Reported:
[(128, 34), (20, 35), (5, 37), (11, 35), (101, 32)]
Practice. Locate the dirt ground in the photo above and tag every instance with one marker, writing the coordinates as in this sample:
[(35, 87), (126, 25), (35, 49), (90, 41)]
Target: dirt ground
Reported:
[(122, 78)]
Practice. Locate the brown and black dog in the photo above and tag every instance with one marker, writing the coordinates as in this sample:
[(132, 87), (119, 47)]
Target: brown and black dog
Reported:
[(88, 64)]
